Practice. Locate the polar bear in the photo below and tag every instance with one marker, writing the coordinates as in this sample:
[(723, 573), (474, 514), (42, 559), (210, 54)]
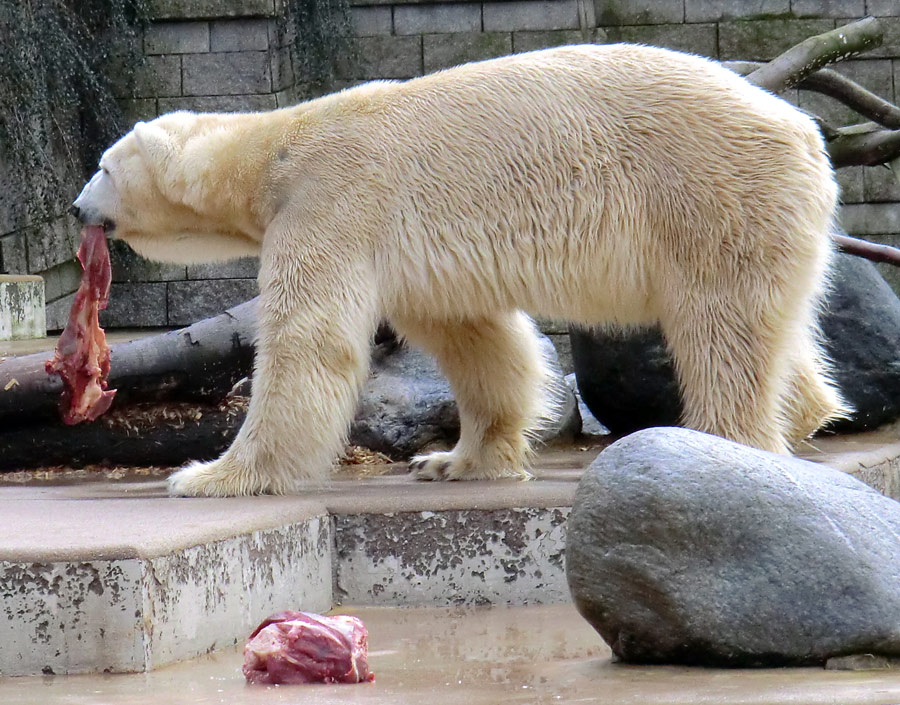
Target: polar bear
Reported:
[(612, 184)]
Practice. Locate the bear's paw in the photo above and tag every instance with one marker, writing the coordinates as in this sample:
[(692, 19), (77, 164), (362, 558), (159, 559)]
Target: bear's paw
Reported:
[(453, 465), (221, 478)]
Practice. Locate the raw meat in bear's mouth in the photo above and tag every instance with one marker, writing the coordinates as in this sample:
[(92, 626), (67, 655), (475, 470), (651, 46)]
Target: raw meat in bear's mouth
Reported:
[(301, 647), (82, 355)]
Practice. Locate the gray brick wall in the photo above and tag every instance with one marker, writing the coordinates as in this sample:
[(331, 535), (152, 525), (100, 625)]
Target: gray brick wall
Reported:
[(233, 55)]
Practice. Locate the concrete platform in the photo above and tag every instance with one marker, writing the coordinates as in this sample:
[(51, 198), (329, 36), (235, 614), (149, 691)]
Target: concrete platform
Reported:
[(102, 572), (470, 656)]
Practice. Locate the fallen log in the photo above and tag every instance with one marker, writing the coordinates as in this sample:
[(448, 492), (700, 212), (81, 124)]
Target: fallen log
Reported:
[(200, 363)]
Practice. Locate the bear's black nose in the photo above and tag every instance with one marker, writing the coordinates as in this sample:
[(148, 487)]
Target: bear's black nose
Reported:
[(75, 211)]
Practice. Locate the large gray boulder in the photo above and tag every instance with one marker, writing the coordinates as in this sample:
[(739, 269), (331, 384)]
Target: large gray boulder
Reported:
[(861, 325), (686, 548), (627, 378), (407, 404)]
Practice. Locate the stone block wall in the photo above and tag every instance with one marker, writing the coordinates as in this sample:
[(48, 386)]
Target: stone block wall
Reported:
[(234, 55)]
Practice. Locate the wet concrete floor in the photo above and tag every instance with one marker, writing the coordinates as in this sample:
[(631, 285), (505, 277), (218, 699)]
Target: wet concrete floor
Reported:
[(469, 656)]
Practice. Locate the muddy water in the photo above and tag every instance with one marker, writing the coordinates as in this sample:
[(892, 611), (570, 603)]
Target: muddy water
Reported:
[(470, 656)]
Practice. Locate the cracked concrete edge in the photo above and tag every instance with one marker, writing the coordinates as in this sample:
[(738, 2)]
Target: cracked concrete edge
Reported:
[(877, 467), (468, 557), (136, 614)]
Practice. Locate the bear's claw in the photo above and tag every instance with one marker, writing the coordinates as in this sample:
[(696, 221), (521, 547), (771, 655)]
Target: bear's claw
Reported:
[(426, 468)]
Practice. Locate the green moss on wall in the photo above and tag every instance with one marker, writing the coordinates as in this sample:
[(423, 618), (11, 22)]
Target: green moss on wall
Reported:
[(57, 103), (320, 32)]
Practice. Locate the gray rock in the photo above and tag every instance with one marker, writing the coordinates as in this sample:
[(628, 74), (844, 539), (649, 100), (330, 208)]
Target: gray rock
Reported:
[(687, 548), (862, 336), (589, 424), (406, 404), (627, 378)]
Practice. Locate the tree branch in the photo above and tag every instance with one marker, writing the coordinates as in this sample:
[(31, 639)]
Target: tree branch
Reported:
[(868, 250), (854, 96), (810, 55), (842, 89), (864, 145)]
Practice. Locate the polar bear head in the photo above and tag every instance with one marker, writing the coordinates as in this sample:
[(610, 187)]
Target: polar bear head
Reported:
[(168, 188)]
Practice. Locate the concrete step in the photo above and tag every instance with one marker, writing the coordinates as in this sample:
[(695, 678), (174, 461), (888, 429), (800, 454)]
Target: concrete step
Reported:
[(100, 571)]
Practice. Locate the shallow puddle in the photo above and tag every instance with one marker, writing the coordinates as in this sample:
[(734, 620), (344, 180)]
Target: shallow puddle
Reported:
[(468, 656)]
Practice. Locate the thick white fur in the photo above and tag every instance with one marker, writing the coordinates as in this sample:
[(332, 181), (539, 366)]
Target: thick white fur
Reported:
[(616, 183)]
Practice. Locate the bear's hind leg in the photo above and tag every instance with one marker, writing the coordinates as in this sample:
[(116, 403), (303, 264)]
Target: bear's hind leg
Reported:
[(811, 400), (733, 367), (499, 379)]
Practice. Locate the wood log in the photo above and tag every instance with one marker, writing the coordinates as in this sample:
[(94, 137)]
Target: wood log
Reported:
[(864, 145), (199, 363)]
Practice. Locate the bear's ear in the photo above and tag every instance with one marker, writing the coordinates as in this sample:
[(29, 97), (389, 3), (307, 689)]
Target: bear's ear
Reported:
[(160, 153)]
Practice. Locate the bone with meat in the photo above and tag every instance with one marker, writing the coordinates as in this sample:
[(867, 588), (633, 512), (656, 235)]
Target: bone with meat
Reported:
[(82, 355), (300, 647)]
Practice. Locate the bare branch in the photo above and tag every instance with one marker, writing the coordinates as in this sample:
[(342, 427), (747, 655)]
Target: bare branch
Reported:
[(868, 250), (858, 146), (854, 96), (810, 55), (842, 89)]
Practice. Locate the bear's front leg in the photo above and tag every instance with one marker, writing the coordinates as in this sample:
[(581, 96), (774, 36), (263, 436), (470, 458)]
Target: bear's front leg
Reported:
[(312, 354)]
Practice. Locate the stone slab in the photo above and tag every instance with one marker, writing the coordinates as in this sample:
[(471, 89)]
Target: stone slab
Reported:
[(520, 15), (13, 254), (695, 38), (176, 38), (371, 21), (239, 35), (226, 73), (446, 50), (715, 10), (210, 9), (617, 12), (194, 300), (22, 313), (383, 57), (441, 18), (829, 8)]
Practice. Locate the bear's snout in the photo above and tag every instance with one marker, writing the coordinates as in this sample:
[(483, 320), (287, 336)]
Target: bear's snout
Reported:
[(96, 202)]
